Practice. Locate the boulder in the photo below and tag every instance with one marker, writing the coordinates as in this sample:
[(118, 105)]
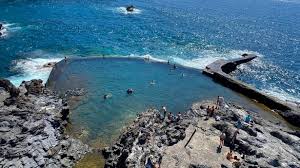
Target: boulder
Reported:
[(9, 87), (34, 86), (130, 8), (49, 65)]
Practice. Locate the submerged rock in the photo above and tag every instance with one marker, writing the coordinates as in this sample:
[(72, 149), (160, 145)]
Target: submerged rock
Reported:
[(49, 64), (130, 8)]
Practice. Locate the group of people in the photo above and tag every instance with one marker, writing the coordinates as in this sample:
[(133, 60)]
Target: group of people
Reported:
[(170, 117), (248, 121), (109, 95), (211, 111), (230, 155)]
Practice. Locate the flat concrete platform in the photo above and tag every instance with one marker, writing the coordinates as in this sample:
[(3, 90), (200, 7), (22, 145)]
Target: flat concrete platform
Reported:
[(219, 72)]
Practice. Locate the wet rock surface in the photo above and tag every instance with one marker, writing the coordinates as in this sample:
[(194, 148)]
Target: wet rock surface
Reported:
[(264, 144), (32, 127)]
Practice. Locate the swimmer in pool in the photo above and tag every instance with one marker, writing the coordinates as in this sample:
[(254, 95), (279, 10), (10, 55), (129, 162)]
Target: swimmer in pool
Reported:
[(106, 96), (152, 82)]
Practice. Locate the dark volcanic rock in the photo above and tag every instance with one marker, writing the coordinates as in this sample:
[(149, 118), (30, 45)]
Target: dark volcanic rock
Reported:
[(9, 87), (31, 133), (34, 86), (136, 144), (286, 139), (291, 116)]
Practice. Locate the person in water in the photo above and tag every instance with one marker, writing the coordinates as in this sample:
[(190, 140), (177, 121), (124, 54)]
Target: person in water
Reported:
[(106, 96), (174, 66), (152, 82), (129, 91)]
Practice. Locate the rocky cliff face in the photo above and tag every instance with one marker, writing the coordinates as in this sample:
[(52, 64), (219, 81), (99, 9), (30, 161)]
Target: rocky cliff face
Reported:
[(32, 121)]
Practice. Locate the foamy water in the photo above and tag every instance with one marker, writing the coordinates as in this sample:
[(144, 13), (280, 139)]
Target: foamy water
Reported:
[(263, 72), (9, 27), (31, 68), (124, 11), (209, 56), (289, 1)]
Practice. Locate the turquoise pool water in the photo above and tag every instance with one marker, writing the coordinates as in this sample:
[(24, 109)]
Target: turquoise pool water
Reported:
[(93, 117)]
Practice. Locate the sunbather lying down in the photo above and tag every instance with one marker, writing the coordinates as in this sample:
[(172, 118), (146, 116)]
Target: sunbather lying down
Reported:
[(233, 158)]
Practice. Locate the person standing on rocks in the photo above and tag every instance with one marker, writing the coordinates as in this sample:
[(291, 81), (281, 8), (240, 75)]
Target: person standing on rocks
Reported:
[(178, 118), (222, 139), (164, 109), (238, 124), (234, 136), (220, 102), (248, 119)]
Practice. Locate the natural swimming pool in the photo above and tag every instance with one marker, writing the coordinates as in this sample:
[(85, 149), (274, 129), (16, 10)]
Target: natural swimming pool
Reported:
[(98, 121)]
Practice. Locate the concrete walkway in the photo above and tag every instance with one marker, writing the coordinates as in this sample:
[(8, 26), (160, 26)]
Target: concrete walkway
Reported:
[(201, 150)]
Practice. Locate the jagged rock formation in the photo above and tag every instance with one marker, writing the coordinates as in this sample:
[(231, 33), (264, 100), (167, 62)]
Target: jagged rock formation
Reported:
[(32, 126), (146, 137), (265, 144)]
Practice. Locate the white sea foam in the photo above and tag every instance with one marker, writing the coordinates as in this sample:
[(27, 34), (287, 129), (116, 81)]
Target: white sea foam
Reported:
[(31, 68), (148, 56), (9, 27), (124, 11), (281, 94), (289, 1), (271, 76), (209, 56)]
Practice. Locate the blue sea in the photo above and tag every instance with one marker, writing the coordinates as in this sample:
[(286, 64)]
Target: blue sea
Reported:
[(193, 33)]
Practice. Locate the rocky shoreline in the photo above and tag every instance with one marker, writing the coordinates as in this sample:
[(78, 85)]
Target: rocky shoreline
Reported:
[(33, 119), (32, 122), (193, 141)]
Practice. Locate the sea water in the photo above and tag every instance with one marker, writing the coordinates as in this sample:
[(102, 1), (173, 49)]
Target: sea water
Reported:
[(192, 33), (155, 84)]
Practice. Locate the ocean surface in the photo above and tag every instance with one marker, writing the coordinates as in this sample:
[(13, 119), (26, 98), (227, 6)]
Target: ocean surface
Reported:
[(193, 33)]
